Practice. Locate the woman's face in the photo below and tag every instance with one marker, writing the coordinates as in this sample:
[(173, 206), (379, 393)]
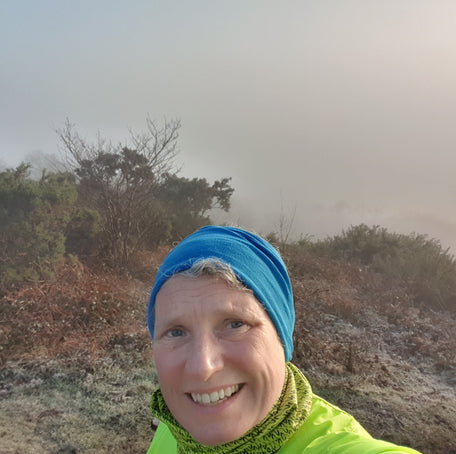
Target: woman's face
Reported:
[(219, 359)]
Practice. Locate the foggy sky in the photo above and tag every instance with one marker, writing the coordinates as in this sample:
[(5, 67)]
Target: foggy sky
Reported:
[(339, 111)]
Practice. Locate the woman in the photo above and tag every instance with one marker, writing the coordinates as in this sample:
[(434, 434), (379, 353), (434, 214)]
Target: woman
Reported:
[(221, 317)]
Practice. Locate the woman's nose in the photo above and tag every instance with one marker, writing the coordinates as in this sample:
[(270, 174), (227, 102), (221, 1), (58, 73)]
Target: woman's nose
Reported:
[(205, 357)]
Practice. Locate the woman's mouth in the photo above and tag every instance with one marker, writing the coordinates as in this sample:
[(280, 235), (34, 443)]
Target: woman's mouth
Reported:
[(215, 397)]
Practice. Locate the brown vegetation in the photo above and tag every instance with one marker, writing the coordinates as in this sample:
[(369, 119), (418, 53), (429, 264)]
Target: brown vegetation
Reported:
[(77, 372), (366, 347)]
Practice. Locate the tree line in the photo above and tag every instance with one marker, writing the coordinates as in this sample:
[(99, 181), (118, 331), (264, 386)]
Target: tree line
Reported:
[(107, 203)]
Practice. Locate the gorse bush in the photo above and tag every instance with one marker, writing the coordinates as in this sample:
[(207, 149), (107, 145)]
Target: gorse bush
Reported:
[(425, 268), (415, 261), (33, 216)]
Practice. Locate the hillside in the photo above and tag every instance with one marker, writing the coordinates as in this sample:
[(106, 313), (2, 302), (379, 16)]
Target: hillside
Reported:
[(77, 373)]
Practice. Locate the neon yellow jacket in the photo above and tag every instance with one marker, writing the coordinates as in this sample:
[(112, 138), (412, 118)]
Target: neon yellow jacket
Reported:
[(327, 429)]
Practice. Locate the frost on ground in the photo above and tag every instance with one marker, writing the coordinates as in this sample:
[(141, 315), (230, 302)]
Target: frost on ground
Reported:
[(81, 407)]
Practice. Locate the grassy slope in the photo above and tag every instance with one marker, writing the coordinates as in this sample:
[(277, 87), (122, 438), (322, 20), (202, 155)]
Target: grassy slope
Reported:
[(366, 348), (77, 371)]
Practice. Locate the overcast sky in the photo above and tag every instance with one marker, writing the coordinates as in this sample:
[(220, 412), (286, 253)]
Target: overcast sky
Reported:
[(339, 111)]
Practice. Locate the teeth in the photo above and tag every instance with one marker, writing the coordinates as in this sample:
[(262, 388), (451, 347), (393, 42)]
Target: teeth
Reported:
[(216, 396)]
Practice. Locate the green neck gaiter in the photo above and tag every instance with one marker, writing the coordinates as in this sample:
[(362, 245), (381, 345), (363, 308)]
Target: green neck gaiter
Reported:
[(288, 413)]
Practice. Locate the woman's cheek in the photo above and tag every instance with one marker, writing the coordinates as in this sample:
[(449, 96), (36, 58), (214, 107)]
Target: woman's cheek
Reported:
[(168, 357)]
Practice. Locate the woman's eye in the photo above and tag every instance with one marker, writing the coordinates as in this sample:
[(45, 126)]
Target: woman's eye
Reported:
[(235, 324), (175, 332)]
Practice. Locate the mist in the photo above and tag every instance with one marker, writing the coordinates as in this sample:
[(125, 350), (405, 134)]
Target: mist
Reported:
[(324, 113)]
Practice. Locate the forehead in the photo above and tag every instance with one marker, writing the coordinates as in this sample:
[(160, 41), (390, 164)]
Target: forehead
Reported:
[(181, 292)]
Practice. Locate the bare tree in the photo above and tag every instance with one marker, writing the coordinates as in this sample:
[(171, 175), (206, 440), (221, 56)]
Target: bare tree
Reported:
[(119, 182), (286, 222), (158, 145)]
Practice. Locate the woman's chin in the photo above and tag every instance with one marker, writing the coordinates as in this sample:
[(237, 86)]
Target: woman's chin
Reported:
[(219, 432)]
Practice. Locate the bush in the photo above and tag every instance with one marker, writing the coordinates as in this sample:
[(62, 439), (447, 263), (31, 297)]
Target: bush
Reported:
[(33, 217), (419, 263)]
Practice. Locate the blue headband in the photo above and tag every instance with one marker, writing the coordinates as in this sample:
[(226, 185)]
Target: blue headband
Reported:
[(254, 262)]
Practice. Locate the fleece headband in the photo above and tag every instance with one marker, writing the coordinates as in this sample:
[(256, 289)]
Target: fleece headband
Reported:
[(254, 262)]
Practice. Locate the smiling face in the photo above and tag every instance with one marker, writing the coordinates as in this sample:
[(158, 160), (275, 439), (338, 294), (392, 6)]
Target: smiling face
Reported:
[(218, 356)]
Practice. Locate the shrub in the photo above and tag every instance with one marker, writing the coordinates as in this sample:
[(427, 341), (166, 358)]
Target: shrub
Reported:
[(33, 216), (419, 263)]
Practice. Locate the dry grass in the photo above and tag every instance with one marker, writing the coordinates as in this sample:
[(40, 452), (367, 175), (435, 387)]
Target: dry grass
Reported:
[(78, 313), (77, 369), (364, 347), (52, 408)]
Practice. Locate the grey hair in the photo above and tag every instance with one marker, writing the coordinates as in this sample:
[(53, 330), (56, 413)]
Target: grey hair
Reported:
[(215, 267)]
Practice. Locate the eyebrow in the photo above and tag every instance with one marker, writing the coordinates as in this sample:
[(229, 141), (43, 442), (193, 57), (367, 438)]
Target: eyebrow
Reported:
[(238, 312)]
